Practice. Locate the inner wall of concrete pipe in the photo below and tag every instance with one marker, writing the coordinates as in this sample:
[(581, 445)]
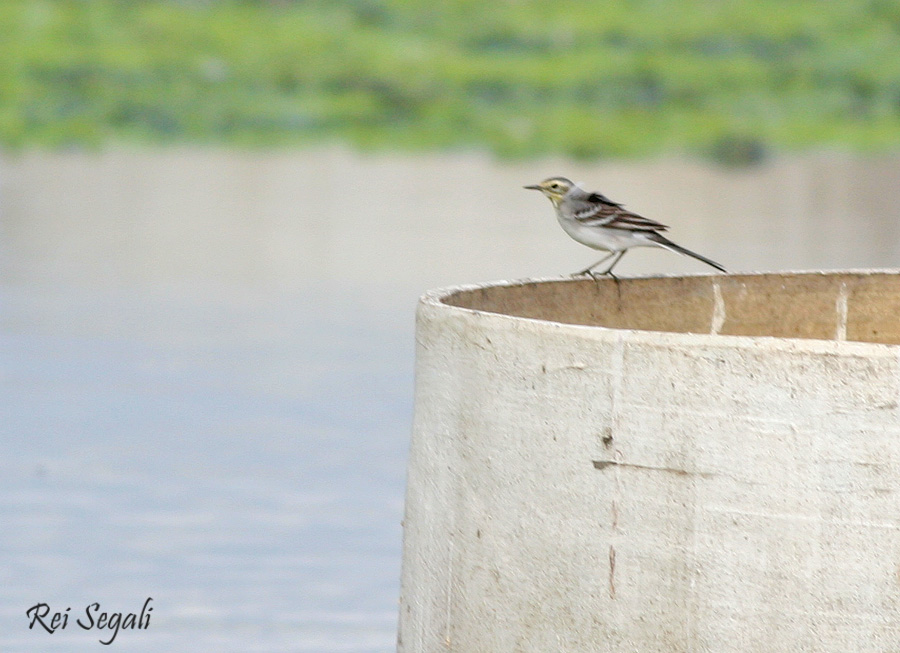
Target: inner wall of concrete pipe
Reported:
[(859, 306)]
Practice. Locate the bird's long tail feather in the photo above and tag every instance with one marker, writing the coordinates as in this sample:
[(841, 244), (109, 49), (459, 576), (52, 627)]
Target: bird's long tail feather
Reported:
[(662, 241)]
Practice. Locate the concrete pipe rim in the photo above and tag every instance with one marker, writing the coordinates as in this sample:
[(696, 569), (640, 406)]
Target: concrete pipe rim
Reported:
[(849, 312)]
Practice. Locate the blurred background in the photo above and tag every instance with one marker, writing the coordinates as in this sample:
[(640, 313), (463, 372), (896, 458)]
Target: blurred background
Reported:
[(216, 218)]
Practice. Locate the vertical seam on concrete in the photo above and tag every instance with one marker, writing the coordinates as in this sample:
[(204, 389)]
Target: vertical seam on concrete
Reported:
[(618, 373), (718, 315), (840, 332), (449, 590), (612, 572)]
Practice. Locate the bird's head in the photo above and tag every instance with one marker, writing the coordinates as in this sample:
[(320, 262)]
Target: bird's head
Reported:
[(555, 188)]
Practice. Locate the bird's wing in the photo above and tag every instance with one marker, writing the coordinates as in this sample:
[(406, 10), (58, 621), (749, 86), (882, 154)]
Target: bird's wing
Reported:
[(600, 198), (598, 211)]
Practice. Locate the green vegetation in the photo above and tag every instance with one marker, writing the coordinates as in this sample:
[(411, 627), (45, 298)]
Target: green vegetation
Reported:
[(519, 77)]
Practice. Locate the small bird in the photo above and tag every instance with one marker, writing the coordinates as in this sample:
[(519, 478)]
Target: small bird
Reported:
[(596, 221)]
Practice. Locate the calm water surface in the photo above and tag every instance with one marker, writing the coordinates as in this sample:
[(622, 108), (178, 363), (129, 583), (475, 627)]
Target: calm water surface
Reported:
[(235, 453)]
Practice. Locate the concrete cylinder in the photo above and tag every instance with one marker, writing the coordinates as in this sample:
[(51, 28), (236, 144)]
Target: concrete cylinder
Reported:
[(707, 463)]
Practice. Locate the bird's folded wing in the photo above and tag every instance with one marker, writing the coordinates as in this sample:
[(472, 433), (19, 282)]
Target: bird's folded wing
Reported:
[(613, 216)]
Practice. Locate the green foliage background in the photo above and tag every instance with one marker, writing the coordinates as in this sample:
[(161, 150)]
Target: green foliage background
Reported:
[(730, 78)]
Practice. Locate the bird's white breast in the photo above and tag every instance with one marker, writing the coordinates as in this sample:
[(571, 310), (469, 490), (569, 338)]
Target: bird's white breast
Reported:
[(610, 240)]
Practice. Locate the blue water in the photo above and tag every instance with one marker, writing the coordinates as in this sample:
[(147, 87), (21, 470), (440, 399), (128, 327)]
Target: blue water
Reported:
[(235, 453)]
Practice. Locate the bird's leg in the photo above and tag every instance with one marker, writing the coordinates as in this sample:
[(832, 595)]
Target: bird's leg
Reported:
[(588, 269), (608, 271), (596, 277)]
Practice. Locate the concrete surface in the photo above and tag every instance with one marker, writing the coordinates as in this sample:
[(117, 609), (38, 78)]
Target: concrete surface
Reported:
[(642, 469)]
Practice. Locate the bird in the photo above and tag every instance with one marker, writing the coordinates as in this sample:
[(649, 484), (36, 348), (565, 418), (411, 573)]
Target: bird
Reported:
[(594, 220)]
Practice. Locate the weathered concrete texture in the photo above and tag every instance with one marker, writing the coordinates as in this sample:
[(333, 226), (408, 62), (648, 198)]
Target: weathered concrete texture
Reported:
[(582, 488)]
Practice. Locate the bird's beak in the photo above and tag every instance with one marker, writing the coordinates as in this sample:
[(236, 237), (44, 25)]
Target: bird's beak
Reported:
[(533, 187)]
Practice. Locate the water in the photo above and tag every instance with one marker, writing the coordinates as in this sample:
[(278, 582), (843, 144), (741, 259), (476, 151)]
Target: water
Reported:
[(238, 457), (206, 363)]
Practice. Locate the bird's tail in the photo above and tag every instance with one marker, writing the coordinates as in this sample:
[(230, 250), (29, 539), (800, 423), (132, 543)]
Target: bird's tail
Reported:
[(662, 241)]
